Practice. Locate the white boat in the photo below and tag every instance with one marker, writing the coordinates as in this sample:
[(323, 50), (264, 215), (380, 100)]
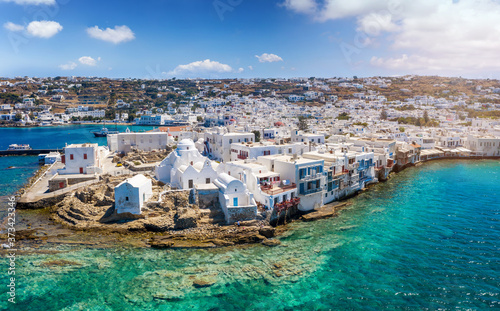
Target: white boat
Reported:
[(104, 132), (19, 147)]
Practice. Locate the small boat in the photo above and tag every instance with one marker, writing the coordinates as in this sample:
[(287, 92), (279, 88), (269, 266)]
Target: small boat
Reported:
[(19, 147), (104, 132)]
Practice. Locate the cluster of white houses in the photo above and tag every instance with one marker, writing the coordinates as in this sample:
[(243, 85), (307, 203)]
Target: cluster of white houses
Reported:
[(293, 168)]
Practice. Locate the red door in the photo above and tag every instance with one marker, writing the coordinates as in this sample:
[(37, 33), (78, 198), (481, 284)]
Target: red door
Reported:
[(81, 170)]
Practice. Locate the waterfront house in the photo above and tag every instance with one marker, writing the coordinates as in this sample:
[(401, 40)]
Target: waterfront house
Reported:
[(235, 200), (307, 174), (83, 159), (132, 194), (267, 187)]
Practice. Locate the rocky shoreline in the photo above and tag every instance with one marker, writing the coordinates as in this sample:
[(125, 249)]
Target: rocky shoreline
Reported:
[(169, 222)]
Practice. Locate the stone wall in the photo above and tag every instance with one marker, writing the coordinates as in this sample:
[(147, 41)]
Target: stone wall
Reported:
[(207, 198), (234, 214)]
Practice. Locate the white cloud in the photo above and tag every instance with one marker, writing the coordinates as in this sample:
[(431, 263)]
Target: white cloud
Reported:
[(68, 66), (250, 67), (43, 29), (13, 27), (117, 35), (31, 2), (424, 36), (206, 66), (301, 6), (269, 58), (240, 70), (374, 24), (87, 60)]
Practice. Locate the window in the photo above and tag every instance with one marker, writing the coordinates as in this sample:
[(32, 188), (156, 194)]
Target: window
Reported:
[(85, 156), (71, 157), (126, 199), (207, 180)]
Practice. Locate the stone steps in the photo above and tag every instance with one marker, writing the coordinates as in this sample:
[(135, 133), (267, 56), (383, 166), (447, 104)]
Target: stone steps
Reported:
[(64, 216)]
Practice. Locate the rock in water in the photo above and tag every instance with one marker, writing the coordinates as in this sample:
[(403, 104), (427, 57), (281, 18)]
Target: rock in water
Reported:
[(271, 242), (204, 282), (267, 231)]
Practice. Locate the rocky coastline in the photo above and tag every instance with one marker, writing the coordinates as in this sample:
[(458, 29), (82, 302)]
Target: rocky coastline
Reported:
[(169, 222)]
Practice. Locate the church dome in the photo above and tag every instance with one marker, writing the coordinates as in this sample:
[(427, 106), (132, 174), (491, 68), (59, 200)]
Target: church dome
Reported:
[(186, 144)]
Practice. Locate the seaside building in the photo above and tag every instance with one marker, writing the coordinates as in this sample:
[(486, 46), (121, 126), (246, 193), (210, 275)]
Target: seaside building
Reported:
[(132, 194), (267, 187), (307, 174), (235, 200), (483, 145), (83, 159)]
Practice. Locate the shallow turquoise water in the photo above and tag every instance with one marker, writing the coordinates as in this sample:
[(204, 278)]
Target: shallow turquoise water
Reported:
[(15, 171), (56, 136), (427, 239)]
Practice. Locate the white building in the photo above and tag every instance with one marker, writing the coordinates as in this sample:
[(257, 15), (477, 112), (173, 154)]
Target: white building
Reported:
[(218, 143), (132, 193), (235, 200), (267, 187), (152, 120), (185, 167), (307, 174), (83, 159), (300, 136), (483, 145), (242, 151), (146, 141)]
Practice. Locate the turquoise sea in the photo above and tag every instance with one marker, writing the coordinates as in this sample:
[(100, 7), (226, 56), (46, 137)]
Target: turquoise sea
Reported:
[(15, 171), (428, 239)]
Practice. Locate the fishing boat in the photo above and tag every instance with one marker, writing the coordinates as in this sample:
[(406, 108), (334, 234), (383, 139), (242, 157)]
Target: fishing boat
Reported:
[(19, 147), (104, 132)]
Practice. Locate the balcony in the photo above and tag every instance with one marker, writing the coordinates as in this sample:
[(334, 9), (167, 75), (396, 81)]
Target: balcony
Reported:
[(311, 177), (242, 157), (353, 166), (277, 189), (312, 191), (285, 205)]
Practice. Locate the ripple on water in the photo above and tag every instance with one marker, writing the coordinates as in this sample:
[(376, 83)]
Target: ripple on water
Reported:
[(427, 239)]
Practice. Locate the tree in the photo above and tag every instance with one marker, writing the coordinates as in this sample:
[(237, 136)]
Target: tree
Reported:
[(343, 116), (426, 117), (257, 136), (383, 115), (402, 129), (18, 117), (303, 126), (199, 118)]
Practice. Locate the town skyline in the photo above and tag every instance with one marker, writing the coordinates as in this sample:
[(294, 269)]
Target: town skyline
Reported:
[(242, 39)]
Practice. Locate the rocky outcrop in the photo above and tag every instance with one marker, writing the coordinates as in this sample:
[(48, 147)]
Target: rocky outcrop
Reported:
[(323, 212), (186, 218)]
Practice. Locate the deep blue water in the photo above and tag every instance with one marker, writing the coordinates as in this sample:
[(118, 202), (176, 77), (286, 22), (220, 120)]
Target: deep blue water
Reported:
[(428, 239), (40, 138)]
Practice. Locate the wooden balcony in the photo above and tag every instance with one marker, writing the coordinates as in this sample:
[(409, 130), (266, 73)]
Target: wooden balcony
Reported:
[(276, 189)]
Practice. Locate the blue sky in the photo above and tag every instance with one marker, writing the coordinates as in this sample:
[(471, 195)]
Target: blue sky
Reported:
[(221, 38)]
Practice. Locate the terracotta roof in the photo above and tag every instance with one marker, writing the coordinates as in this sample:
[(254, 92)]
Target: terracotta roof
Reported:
[(172, 128)]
